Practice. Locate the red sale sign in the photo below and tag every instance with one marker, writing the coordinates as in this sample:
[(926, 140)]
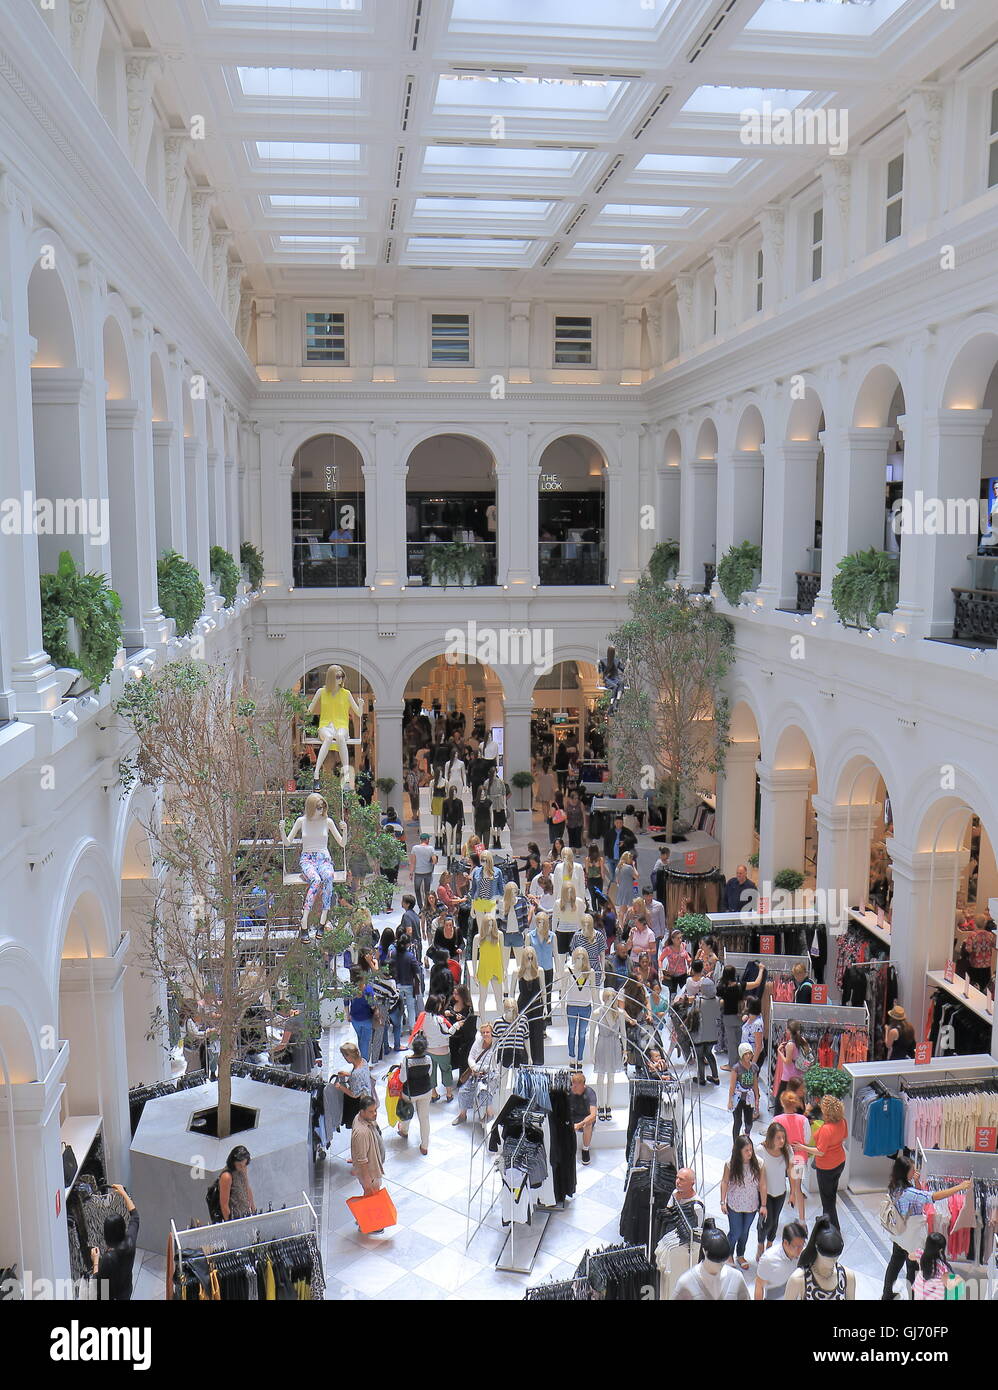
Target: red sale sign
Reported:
[(767, 945), (691, 858), (819, 994), (923, 1053), (948, 972), (763, 906), (985, 1139)]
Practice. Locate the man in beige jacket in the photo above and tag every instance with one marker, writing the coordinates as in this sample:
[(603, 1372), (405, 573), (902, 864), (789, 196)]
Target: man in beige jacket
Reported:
[(367, 1148)]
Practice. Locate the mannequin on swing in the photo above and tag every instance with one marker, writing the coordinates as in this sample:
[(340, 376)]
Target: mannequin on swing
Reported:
[(313, 829), (333, 704)]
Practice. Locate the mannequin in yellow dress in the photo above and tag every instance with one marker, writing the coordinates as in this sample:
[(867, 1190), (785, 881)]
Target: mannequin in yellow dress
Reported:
[(334, 704), (487, 964)]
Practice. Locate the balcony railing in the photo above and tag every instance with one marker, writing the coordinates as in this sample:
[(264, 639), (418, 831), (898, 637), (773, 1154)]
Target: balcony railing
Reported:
[(424, 565), (808, 584), (329, 564), (976, 616), (571, 562)]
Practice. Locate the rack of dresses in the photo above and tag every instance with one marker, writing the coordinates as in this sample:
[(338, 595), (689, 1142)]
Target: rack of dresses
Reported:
[(617, 1274), (794, 932), (873, 983), (837, 1035), (969, 1220), (273, 1256)]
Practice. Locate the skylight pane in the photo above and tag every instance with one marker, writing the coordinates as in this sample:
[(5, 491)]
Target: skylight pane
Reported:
[(318, 84), (509, 93), (563, 14), (295, 150), (479, 156), (317, 242), (641, 210), (724, 101), (353, 8), (312, 201), (481, 207), (687, 163), (470, 243)]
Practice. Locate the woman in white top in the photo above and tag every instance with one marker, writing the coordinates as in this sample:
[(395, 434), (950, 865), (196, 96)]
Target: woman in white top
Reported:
[(775, 1157), (313, 830), (578, 994)]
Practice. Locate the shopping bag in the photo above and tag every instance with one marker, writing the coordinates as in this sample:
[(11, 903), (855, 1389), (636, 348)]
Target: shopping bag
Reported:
[(373, 1213)]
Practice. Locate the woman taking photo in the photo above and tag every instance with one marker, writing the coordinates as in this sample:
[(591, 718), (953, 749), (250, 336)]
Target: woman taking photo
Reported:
[(829, 1154), (743, 1195), (775, 1158), (909, 1201)]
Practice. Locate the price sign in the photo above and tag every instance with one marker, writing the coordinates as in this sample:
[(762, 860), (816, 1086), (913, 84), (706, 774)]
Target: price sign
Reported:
[(985, 1139), (923, 1053), (881, 917), (691, 858), (767, 945), (819, 994), (763, 906), (948, 972)]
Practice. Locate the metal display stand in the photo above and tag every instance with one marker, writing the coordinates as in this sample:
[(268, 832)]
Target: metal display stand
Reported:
[(780, 965), (246, 1233)]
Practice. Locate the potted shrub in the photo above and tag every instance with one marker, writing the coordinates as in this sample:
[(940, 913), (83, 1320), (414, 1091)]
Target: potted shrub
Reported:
[(790, 880), (865, 586), (181, 593), (738, 570), (827, 1081), (251, 561), (455, 562), (694, 925), (81, 621), (385, 786), (664, 561), (224, 574), (523, 815), (753, 860)]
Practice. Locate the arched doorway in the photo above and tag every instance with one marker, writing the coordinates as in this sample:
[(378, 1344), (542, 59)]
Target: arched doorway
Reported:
[(787, 827), (572, 516), (327, 514), (794, 507), (738, 797), (451, 514), (565, 712)]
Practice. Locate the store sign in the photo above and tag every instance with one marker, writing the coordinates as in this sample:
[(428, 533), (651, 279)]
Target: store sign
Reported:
[(923, 1054), (767, 945), (948, 972), (819, 994), (691, 858), (550, 482), (985, 1139)]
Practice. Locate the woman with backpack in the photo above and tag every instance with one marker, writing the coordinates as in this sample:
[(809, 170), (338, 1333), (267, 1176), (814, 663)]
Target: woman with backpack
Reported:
[(416, 1075), (902, 1215), (795, 1056)]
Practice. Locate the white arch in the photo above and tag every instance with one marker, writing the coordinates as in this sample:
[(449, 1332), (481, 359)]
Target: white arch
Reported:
[(967, 361), (87, 871), (874, 388), (594, 436), (44, 240), (750, 432), (305, 432)]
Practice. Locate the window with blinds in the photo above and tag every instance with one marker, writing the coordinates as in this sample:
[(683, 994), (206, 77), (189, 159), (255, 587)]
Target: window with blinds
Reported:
[(573, 341), (450, 339), (325, 337)]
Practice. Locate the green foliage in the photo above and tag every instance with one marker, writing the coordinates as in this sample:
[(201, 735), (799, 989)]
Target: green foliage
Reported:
[(694, 925), (736, 570), (827, 1081), (522, 779), (866, 584), (448, 562), (96, 609), (181, 593), (226, 571), (664, 561), (789, 880), (753, 859), (385, 785), (251, 556)]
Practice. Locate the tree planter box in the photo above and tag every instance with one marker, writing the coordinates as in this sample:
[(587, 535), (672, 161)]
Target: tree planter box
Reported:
[(173, 1166), (523, 822)]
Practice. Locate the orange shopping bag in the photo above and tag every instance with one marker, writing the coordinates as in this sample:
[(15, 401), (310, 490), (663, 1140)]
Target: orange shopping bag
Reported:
[(373, 1213)]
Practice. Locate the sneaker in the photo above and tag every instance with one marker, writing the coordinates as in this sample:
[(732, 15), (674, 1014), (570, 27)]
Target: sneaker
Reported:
[(585, 1155)]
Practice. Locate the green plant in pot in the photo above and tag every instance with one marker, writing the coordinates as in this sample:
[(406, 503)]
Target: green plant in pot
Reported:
[(827, 1081), (81, 620), (664, 561), (737, 570), (225, 572), (251, 559), (523, 780), (753, 860), (694, 925), (790, 880), (385, 786), (865, 586), (181, 593), (455, 562)]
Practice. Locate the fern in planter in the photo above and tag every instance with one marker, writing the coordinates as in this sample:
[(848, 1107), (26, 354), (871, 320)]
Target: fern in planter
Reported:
[(866, 584), (181, 593), (95, 609), (736, 570), (226, 571), (789, 880), (454, 562), (664, 561), (523, 780), (251, 557)]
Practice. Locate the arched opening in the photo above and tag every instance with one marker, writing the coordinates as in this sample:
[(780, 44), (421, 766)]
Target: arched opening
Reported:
[(799, 518), (565, 715), (450, 512), (879, 405), (163, 444), (788, 835), (572, 512), (363, 754), (121, 419), (740, 486), (151, 1023), (863, 832), (738, 796), (56, 387), (698, 561), (669, 490), (327, 514)]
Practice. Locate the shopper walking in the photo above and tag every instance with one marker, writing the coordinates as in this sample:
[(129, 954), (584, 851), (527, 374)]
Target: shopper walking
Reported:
[(830, 1154), (422, 858), (775, 1158), (776, 1266), (743, 1195), (730, 994), (416, 1075), (706, 1019), (674, 963), (595, 869), (406, 971), (626, 879), (743, 1091), (437, 1030), (367, 1147)]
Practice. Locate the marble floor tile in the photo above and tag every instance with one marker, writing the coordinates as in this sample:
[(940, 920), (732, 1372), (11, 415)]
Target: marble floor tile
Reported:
[(443, 1226), (450, 1269), (370, 1273)]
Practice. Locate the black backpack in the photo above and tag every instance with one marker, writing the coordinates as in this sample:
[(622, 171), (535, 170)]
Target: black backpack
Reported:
[(213, 1200)]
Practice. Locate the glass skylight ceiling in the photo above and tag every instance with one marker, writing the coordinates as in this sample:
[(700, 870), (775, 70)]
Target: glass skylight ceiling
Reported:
[(312, 202), (314, 84), (618, 16), (522, 209), (500, 158), (291, 151), (296, 5), (526, 94), (686, 164), (725, 101), (479, 251), (640, 211)]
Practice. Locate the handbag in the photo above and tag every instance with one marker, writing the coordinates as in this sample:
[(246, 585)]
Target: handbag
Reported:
[(69, 1165), (405, 1109)]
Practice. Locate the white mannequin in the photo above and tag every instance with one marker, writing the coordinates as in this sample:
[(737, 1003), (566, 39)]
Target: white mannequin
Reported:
[(825, 1271), (333, 713), (610, 1031), (568, 870), (456, 775), (312, 830), (827, 1244), (713, 1280)]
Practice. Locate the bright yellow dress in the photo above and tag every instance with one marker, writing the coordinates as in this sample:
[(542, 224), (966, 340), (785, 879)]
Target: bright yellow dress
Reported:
[(489, 961), (334, 709)]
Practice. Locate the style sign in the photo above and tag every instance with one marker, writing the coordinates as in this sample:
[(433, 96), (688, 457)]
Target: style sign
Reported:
[(923, 1053), (819, 995), (767, 945), (985, 1139)]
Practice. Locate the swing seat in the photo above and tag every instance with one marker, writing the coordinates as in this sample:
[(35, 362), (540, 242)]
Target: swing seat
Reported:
[(296, 880), (314, 742)]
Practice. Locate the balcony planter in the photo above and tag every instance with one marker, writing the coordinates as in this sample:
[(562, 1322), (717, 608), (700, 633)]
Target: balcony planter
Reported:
[(81, 621), (739, 570), (865, 586), (251, 563), (454, 562), (181, 593), (224, 574), (664, 561)]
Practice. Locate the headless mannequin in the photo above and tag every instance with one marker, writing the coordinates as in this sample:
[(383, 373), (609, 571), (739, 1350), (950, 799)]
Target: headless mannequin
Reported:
[(336, 729), (313, 830), (438, 794), (825, 1273), (455, 775)]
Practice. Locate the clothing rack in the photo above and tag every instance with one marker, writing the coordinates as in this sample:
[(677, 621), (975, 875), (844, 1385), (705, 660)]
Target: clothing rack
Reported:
[(518, 1254), (776, 965), (944, 1087), (816, 1016), (955, 1163), (245, 1233)]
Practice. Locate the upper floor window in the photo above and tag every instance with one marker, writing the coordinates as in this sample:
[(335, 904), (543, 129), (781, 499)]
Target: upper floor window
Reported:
[(758, 280), (573, 341), (895, 189), (450, 339), (325, 337), (817, 242), (993, 141)]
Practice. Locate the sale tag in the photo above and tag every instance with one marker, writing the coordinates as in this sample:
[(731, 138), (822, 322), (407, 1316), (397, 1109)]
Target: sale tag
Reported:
[(985, 1139), (691, 858), (820, 994), (948, 972), (923, 1053), (767, 945), (763, 906)]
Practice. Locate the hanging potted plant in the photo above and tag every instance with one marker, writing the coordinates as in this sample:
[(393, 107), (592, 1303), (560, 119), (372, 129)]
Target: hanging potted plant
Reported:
[(251, 562), (664, 561), (224, 574), (81, 621), (738, 570), (865, 586), (181, 593)]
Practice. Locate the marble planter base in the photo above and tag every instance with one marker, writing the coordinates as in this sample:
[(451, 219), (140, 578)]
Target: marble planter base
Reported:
[(172, 1168)]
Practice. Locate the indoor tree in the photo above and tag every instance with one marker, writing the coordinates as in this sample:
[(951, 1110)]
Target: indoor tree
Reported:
[(669, 729)]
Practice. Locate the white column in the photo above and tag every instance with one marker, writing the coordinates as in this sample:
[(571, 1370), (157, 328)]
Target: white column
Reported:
[(516, 742), (144, 1001), (624, 514), (144, 494), (771, 222), (649, 451), (670, 478), (519, 343), (517, 515), (91, 1010), (698, 520), (844, 836), (60, 398), (736, 805), (723, 258), (164, 437), (505, 495), (196, 506), (923, 109), (389, 744), (384, 340), (133, 543), (32, 1203), (266, 337), (685, 289), (783, 802), (945, 464), (630, 374), (853, 505), (142, 68), (788, 520), (836, 187), (392, 566), (922, 913)]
